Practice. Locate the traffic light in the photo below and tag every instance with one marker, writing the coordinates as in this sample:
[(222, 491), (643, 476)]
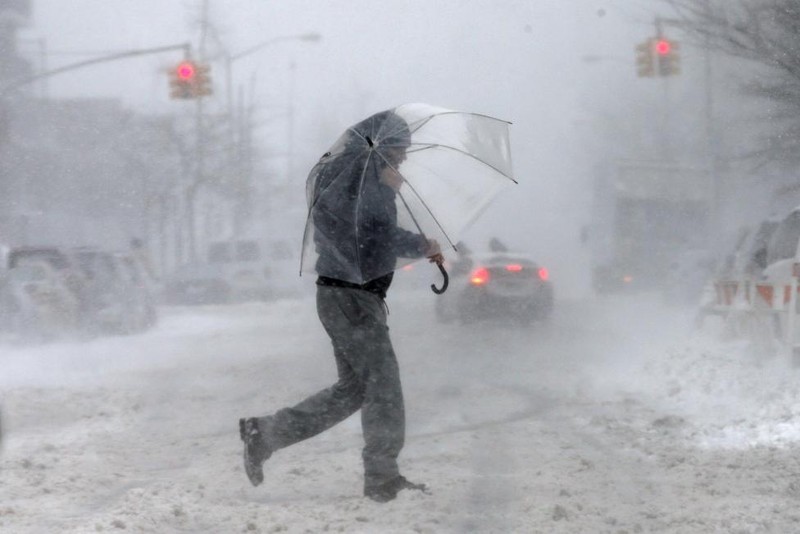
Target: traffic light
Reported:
[(189, 80), (181, 80), (669, 61), (645, 63), (202, 82)]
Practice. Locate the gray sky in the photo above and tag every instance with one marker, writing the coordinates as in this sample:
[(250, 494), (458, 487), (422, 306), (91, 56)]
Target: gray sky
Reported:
[(518, 60)]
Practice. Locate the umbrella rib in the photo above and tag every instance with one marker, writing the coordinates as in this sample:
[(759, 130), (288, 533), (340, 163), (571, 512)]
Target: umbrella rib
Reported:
[(314, 204), (311, 207), (305, 237), (413, 128), (422, 122), (358, 211), (420, 147), (408, 209), (422, 201), (426, 146)]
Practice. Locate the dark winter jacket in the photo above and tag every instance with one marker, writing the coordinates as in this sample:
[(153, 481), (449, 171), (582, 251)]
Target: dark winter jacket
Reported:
[(355, 222)]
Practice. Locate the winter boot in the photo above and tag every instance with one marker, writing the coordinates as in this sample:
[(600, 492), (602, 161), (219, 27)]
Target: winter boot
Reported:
[(388, 490), (256, 450)]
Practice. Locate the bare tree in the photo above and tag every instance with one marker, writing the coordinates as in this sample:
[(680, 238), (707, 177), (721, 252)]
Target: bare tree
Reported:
[(766, 33)]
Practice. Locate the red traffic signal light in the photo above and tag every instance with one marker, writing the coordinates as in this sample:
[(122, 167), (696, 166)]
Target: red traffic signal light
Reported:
[(189, 80), (182, 80), (185, 71), (667, 53), (658, 56)]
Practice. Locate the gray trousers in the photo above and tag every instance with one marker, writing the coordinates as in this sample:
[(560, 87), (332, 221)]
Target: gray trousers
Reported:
[(369, 379)]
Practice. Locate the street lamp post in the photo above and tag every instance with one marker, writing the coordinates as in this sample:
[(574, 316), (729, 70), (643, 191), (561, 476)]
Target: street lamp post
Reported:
[(230, 59)]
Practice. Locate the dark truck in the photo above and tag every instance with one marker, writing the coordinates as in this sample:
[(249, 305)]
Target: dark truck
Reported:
[(645, 217)]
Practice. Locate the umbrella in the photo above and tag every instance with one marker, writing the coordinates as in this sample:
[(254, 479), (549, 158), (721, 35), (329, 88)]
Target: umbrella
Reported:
[(402, 176)]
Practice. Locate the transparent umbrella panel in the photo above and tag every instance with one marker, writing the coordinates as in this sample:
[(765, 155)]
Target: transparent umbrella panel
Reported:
[(396, 180)]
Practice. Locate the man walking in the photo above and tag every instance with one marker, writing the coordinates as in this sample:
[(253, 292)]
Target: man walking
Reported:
[(352, 194)]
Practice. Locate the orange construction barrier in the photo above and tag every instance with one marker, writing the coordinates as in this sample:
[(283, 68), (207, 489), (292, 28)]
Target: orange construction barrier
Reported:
[(767, 293), (726, 292)]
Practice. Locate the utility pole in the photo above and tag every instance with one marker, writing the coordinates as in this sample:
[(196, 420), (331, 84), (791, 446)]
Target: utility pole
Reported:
[(199, 174), (671, 66), (665, 104), (711, 142)]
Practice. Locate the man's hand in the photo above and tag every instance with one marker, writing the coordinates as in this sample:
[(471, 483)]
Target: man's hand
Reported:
[(437, 258), (434, 252)]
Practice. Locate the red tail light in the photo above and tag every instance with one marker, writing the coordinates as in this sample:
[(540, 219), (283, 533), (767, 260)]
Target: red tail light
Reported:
[(544, 274), (479, 276), (514, 267)]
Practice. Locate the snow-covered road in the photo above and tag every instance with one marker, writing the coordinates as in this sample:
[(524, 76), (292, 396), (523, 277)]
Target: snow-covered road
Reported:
[(614, 417)]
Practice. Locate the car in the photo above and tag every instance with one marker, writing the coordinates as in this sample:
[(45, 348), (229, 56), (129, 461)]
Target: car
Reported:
[(57, 258), (195, 284), (137, 293), (501, 285), (107, 306), (256, 269), (749, 257), (37, 302), (782, 249), (732, 283), (64, 266)]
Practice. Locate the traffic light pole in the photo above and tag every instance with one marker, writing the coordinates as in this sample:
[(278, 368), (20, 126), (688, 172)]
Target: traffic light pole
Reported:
[(199, 177), (186, 47), (711, 141), (666, 140), (712, 146)]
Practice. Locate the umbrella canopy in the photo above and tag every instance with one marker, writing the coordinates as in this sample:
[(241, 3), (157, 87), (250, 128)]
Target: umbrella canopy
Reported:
[(397, 179)]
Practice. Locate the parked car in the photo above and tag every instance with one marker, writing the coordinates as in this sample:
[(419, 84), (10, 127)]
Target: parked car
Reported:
[(256, 269), (750, 255), (750, 290), (57, 258), (136, 293), (64, 269), (196, 284), (107, 308), (782, 248), (503, 285), (37, 303)]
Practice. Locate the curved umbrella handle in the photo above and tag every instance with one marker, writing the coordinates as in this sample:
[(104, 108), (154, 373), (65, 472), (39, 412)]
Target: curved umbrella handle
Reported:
[(446, 282)]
